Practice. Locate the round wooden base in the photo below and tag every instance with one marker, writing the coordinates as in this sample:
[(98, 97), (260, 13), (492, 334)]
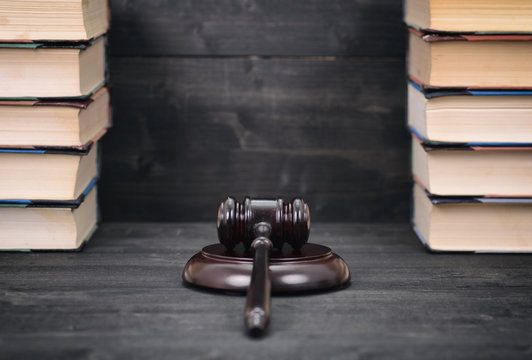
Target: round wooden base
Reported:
[(313, 268)]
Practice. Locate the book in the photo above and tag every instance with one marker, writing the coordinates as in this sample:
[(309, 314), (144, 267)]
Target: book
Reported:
[(478, 117), (461, 169), (52, 226), (472, 224), (51, 69), (470, 16), (53, 123), (470, 61), (53, 19), (47, 173)]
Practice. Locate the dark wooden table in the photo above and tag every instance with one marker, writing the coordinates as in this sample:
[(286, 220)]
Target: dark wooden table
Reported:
[(122, 297)]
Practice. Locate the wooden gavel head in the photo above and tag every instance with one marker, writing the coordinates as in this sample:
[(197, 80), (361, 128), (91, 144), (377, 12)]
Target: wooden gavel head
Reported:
[(274, 219)]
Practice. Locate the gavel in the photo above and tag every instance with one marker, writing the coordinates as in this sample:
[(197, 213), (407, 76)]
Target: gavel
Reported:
[(263, 249), (260, 225)]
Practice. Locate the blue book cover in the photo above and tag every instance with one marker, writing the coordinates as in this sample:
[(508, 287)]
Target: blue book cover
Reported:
[(72, 204), (472, 199), (430, 93), (430, 145)]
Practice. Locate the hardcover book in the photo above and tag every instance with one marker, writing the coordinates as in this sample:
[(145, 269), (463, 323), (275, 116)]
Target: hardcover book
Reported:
[(47, 173), (53, 123), (48, 225), (472, 224), (453, 169), (470, 61), (53, 19), (470, 16), (51, 69), (469, 116)]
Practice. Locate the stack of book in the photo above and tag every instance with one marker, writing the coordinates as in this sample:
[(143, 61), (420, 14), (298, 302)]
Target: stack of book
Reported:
[(54, 109), (470, 114)]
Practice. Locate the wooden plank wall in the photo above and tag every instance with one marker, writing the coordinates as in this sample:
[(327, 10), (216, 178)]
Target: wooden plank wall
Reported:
[(256, 97)]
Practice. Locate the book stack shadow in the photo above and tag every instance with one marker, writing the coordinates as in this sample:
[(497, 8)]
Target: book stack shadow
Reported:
[(470, 115), (54, 109)]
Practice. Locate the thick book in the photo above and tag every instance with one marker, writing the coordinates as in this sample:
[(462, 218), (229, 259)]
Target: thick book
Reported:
[(470, 61), (53, 19), (47, 173), (468, 116), (472, 224), (48, 225), (470, 16), (51, 69), (53, 123), (454, 169)]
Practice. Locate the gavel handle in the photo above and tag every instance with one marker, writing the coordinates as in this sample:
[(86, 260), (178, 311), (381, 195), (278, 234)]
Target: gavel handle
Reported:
[(257, 314)]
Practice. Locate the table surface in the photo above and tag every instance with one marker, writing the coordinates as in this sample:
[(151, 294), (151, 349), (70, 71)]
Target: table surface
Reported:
[(123, 297)]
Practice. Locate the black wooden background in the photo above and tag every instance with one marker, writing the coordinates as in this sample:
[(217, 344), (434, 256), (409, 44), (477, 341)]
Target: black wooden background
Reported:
[(256, 97)]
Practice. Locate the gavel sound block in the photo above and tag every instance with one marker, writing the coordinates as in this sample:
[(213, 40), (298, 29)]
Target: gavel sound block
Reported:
[(252, 256)]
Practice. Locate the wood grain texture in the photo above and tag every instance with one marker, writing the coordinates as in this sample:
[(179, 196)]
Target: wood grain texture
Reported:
[(122, 297), (257, 27), (190, 131)]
